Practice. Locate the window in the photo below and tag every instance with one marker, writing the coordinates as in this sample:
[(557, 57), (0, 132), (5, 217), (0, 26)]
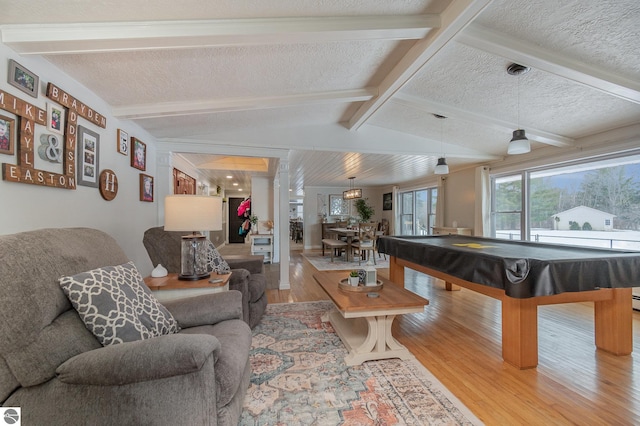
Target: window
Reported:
[(594, 203), (506, 207), (418, 211), (406, 213)]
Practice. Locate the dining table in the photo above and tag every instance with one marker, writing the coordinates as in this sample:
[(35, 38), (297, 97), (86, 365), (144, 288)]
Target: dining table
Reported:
[(348, 233)]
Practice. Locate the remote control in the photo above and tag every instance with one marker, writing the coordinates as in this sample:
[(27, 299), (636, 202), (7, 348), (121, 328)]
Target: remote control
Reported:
[(215, 280)]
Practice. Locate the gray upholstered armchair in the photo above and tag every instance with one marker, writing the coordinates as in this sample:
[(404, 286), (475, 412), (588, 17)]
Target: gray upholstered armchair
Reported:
[(56, 370), (248, 271)]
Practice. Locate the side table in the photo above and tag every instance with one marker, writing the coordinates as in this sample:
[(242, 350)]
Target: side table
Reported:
[(170, 287)]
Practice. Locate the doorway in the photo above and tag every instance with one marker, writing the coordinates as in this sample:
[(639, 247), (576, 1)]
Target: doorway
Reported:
[(235, 222)]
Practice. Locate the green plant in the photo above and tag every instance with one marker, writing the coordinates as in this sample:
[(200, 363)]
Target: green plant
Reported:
[(253, 219), (353, 274), (365, 211)]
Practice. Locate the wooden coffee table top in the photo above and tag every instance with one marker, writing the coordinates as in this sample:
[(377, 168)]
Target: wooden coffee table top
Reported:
[(390, 298)]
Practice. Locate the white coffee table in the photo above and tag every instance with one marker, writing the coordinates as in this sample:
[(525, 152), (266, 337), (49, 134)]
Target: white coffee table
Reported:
[(364, 323)]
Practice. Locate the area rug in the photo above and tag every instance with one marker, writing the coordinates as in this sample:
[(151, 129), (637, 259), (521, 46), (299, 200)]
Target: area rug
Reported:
[(323, 263), (299, 378)]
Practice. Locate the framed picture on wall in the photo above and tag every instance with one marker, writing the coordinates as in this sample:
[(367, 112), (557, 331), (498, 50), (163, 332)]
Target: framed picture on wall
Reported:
[(88, 157), (338, 206), (7, 135), (138, 154), (123, 142), (146, 188), (387, 201), (23, 79), (55, 118)]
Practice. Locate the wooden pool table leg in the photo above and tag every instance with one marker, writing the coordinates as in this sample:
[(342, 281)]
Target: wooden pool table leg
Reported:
[(451, 287), (520, 332), (614, 322), (396, 272)]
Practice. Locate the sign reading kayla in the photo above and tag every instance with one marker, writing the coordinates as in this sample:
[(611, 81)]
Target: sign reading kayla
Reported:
[(30, 115)]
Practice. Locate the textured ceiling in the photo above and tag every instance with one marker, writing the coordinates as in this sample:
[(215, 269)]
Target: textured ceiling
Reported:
[(348, 88)]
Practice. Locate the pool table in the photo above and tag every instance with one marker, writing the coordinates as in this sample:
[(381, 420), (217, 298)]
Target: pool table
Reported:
[(524, 275)]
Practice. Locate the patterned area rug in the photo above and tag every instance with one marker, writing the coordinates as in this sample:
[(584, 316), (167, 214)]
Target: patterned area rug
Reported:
[(299, 378), (323, 263)]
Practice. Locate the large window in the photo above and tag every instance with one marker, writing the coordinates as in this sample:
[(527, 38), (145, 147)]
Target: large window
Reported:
[(417, 211), (594, 203), (506, 207)]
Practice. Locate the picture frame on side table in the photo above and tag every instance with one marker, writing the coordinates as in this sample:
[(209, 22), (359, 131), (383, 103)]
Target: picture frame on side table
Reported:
[(387, 201), (23, 79), (88, 157), (7, 135), (138, 154), (55, 118), (146, 188), (123, 142)]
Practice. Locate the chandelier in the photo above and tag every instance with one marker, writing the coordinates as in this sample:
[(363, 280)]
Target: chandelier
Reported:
[(352, 193)]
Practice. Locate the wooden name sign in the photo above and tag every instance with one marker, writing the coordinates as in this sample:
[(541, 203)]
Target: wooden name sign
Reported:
[(30, 115)]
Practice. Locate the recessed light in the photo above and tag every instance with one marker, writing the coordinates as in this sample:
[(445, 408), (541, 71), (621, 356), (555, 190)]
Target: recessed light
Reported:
[(235, 183), (239, 189), (229, 177)]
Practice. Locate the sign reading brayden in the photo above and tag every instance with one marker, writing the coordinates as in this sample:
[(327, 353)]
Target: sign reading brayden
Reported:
[(30, 115)]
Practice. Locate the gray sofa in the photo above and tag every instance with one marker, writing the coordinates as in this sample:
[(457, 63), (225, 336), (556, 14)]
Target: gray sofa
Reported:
[(248, 271), (54, 368)]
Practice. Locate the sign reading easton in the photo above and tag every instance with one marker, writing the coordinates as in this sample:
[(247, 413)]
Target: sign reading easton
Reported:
[(30, 115)]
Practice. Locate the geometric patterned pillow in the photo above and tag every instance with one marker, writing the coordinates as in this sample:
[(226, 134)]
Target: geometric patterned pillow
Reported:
[(116, 305), (216, 263)]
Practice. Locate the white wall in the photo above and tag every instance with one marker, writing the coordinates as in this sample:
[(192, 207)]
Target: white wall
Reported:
[(460, 199), (28, 207), (262, 201)]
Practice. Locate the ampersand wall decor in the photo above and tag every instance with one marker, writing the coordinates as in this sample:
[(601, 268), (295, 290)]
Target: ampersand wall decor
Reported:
[(30, 115)]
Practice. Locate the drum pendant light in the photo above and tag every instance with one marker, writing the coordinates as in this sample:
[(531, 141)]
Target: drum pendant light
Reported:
[(441, 168), (519, 143)]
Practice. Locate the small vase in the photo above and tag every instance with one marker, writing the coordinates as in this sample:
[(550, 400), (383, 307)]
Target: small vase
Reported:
[(159, 271), (354, 281)]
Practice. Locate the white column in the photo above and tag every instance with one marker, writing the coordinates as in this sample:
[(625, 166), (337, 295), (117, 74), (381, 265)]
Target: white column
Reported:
[(163, 182), (283, 222)]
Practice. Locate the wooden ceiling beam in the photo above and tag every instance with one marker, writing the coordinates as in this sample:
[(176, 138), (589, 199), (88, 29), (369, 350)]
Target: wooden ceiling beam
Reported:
[(528, 54), (75, 38), (169, 109), (457, 16), (483, 120)]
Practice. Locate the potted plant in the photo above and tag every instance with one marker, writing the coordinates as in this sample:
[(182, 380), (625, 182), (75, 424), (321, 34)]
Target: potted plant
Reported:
[(354, 279), (254, 223), (365, 211)]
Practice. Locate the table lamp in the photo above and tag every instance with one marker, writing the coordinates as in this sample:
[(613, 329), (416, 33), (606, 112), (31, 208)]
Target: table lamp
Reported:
[(193, 213)]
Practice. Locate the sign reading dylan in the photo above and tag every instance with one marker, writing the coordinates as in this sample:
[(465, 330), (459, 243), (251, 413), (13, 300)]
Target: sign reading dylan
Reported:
[(65, 151)]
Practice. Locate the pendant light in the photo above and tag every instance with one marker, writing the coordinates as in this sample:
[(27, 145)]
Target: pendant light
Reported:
[(352, 193), (519, 143), (441, 168)]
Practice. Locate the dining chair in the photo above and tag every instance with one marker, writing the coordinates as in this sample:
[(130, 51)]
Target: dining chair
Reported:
[(383, 230), (366, 241)]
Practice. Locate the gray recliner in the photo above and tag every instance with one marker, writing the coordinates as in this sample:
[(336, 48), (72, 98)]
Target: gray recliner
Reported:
[(248, 275), (54, 368)]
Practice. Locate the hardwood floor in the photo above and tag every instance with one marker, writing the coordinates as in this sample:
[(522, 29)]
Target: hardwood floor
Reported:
[(458, 339)]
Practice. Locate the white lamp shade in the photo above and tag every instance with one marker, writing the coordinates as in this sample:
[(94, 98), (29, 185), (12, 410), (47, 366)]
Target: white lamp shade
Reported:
[(441, 168), (192, 213), (519, 143)]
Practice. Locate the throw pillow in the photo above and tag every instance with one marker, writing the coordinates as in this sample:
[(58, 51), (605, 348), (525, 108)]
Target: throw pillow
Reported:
[(116, 305), (216, 263)]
